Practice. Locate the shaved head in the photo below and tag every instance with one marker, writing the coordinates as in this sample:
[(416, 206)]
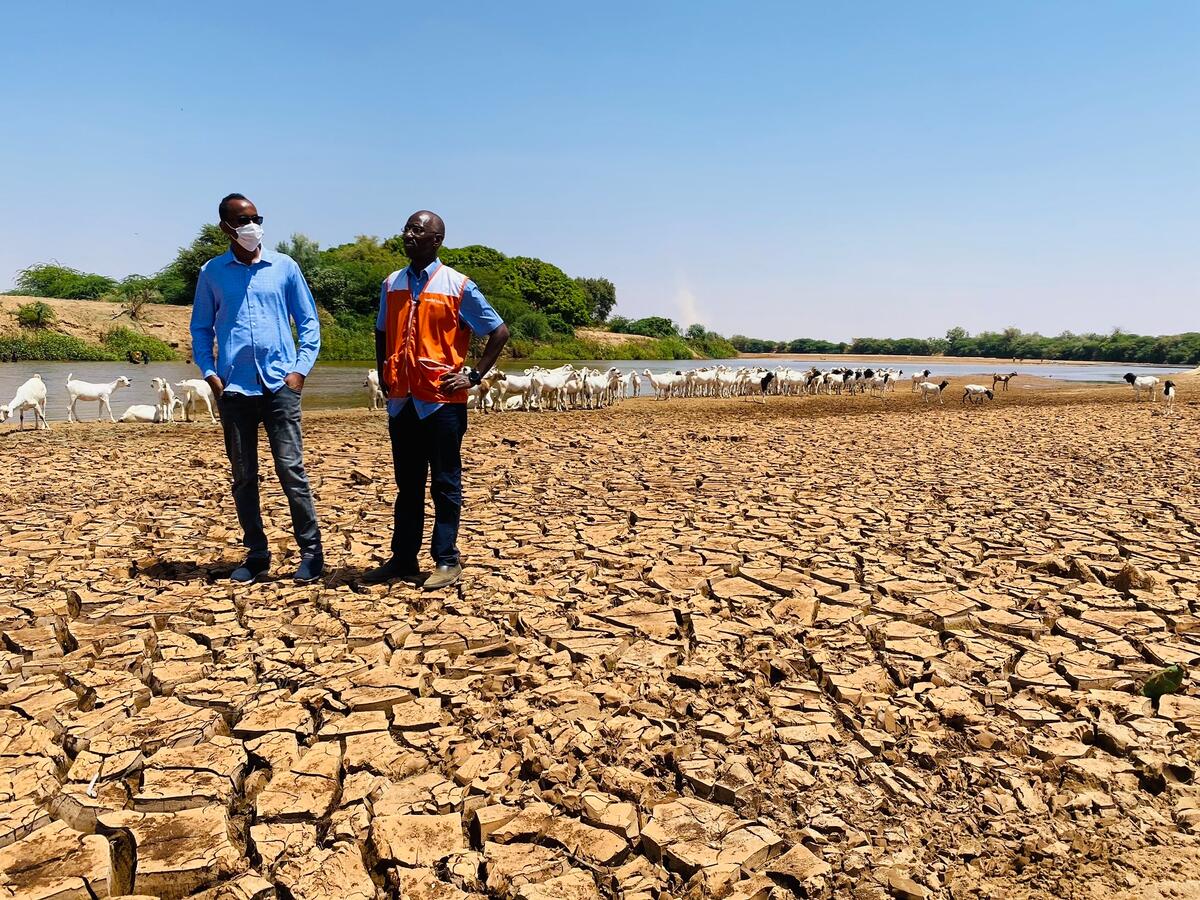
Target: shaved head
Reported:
[(430, 220), (422, 237)]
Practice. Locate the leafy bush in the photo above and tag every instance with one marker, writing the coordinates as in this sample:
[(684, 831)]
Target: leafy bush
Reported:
[(532, 325), (120, 341), (51, 345), (35, 315)]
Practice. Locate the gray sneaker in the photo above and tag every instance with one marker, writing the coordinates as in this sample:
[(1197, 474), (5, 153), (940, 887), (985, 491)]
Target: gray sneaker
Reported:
[(443, 577)]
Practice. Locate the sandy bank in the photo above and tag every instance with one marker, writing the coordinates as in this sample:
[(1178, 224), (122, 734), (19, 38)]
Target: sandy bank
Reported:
[(90, 320)]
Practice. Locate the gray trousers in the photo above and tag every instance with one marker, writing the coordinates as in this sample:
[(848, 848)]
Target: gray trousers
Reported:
[(279, 413)]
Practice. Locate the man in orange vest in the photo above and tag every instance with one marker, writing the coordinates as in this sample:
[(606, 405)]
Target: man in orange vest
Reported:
[(427, 313)]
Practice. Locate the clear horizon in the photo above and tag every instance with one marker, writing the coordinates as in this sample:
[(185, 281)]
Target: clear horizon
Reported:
[(794, 171)]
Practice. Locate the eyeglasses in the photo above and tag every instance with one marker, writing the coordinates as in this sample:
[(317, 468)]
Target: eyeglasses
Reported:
[(245, 220)]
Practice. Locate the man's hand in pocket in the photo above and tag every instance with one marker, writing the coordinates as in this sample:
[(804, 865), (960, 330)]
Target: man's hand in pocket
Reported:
[(295, 381)]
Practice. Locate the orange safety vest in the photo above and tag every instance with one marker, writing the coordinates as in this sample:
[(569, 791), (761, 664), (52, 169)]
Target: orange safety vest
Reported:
[(425, 338)]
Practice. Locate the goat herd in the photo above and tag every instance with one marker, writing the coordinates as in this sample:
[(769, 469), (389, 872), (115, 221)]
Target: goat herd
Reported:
[(192, 394), (569, 388), (563, 388)]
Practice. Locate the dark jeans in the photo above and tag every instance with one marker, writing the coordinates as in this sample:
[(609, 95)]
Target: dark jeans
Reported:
[(280, 413), (420, 447)]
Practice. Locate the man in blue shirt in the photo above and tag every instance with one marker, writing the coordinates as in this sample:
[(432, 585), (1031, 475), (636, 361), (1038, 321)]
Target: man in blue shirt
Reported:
[(244, 301), (427, 312)]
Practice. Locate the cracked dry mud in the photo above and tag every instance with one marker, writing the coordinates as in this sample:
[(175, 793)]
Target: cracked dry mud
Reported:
[(826, 648)]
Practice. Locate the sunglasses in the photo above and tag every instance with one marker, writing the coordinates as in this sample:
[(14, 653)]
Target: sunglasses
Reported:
[(245, 220)]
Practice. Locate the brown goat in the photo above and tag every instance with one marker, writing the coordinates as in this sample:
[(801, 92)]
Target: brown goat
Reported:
[(1002, 379)]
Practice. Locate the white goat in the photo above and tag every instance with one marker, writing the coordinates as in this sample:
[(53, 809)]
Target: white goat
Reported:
[(929, 390), (143, 412), (664, 385), (1147, 384), (917, 378), (521, 385), (595, 388), (30, 395), (371, 383), (92, 393), (554, 385), (1169, 394), (976, 393), (166, 399), (194, 390)]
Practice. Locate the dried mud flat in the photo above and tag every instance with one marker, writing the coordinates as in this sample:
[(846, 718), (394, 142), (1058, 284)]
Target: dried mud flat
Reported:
[(826, 648)]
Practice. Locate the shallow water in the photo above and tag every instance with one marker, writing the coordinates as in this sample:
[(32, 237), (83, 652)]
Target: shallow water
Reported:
[(339, 384)]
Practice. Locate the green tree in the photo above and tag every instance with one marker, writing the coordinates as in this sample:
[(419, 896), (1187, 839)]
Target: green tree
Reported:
[(696, 332), (362, 264), (53, 280), (654, 326), (602, 297), (470, 258), (546, 287), (956, 337), (35, 315), (304, 250), (331, 289), (177, 282)]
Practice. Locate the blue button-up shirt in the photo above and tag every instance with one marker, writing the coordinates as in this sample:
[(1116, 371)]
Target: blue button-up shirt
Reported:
[(474, 313), (246, 309)]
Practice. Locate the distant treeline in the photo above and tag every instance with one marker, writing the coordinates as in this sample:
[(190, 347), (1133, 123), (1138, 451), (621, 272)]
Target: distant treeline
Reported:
[(1011, 343)]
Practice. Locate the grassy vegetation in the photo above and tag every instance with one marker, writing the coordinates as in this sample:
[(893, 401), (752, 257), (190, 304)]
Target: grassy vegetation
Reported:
[(28, 344)]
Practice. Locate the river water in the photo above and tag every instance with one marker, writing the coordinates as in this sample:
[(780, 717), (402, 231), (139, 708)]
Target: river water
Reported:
[(339, 384)]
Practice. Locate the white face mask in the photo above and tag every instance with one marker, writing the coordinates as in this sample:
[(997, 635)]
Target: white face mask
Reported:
[(250, 236)]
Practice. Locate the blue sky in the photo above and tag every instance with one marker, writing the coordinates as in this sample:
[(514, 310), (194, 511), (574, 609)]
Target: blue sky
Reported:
[(773, 169)]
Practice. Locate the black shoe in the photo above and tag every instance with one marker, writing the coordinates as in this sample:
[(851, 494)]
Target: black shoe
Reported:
[(254, 568), (311, 568), (393, 570)]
